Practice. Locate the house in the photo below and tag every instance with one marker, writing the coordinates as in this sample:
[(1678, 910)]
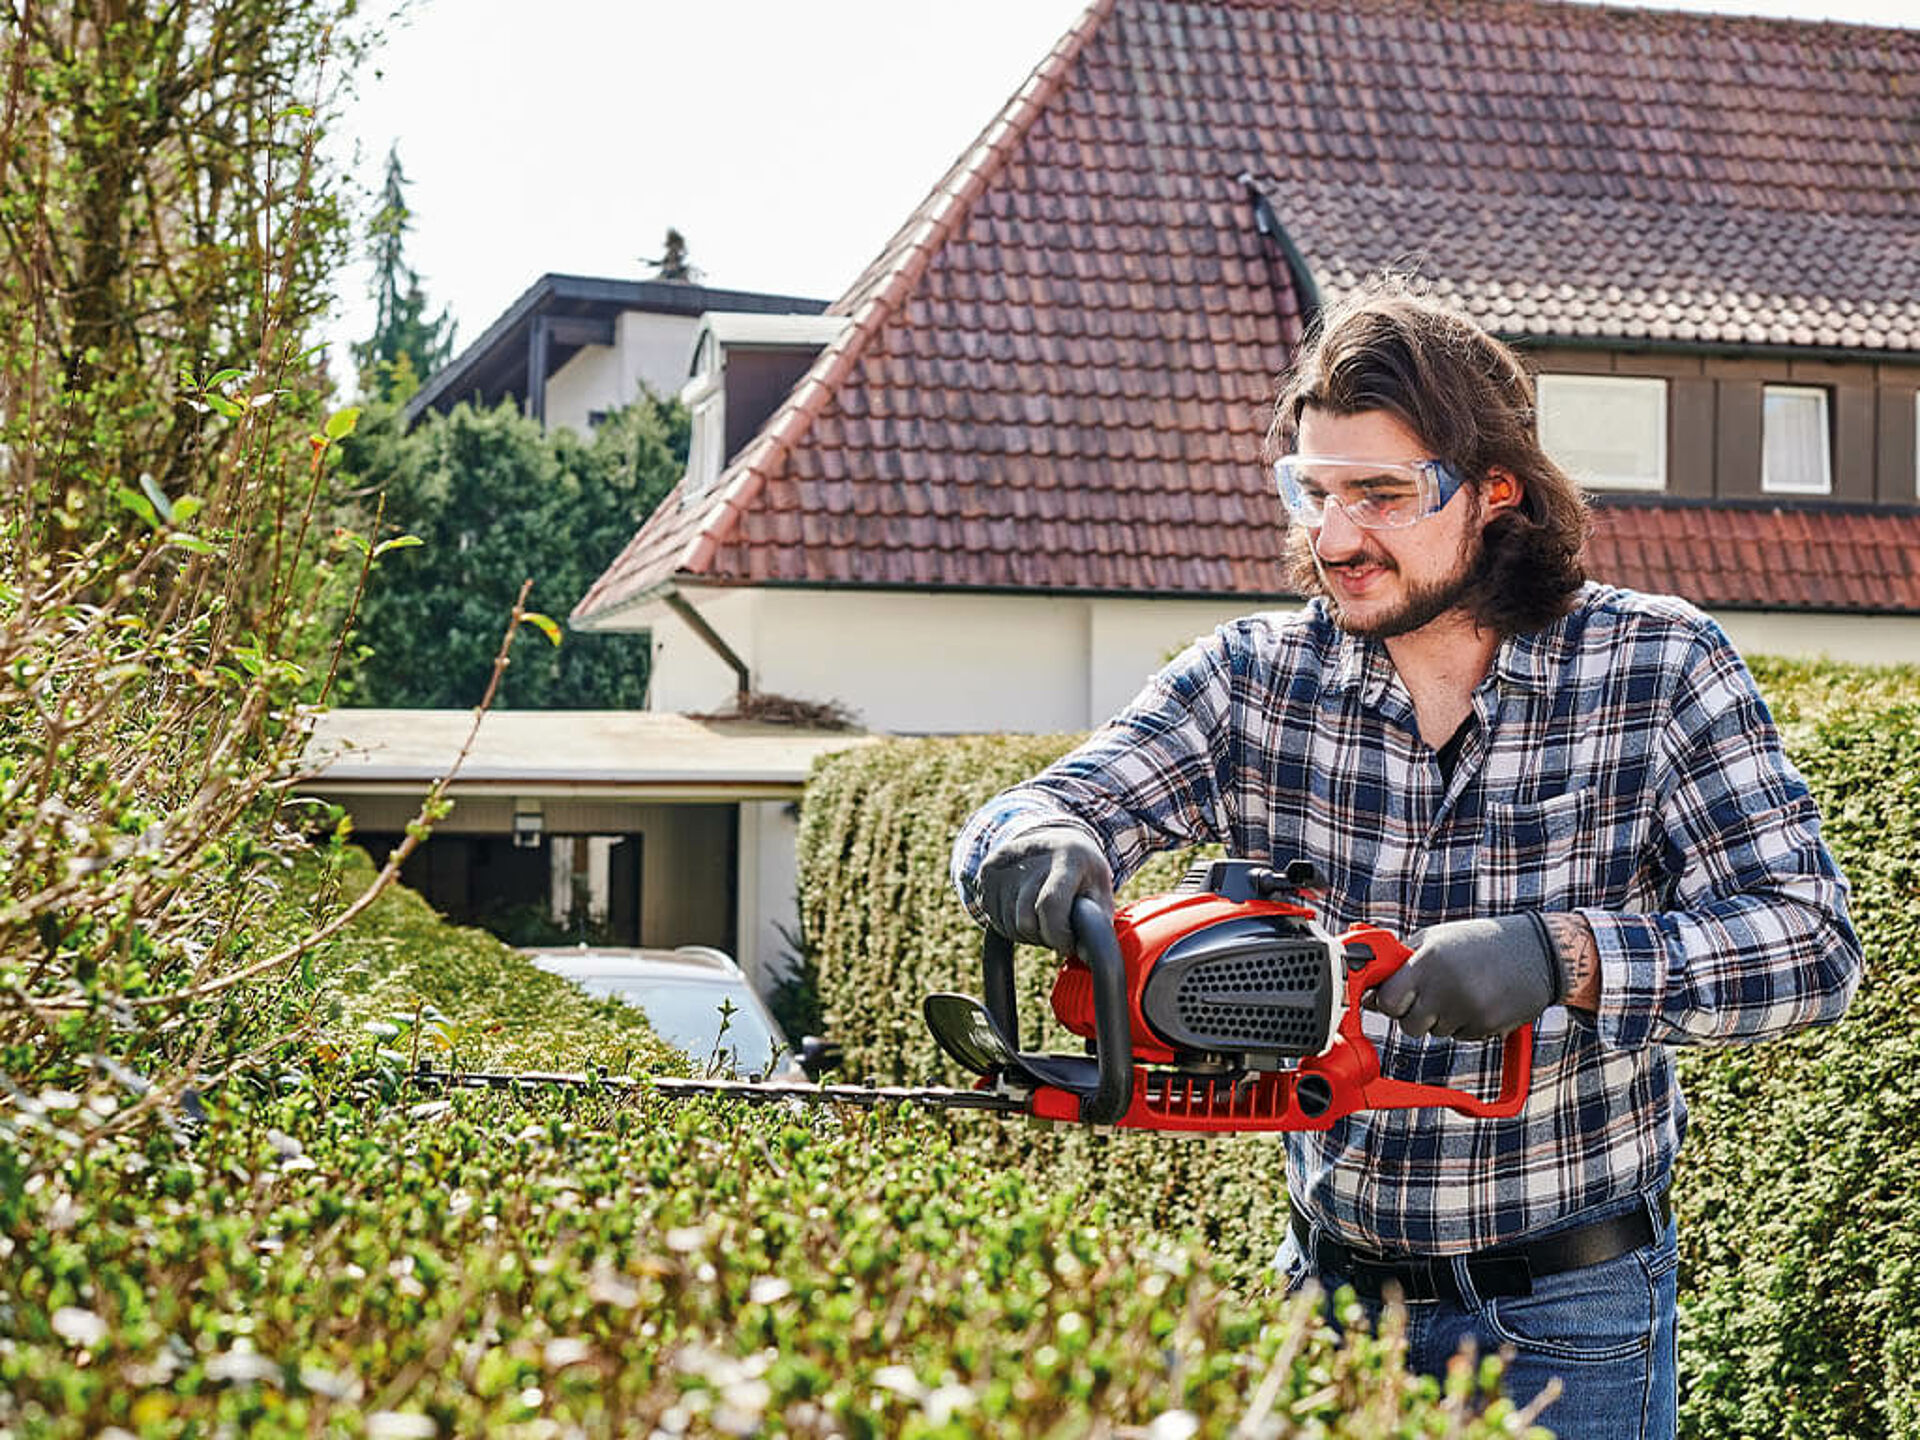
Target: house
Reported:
[(636, 829), (1026, 468), (1018, 464), (574, 346)]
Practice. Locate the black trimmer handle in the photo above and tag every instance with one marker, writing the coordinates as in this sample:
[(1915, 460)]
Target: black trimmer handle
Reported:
[(1099, 947)]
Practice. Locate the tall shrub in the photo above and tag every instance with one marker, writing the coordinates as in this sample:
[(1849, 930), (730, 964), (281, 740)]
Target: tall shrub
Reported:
[(169, 235), (1799, 1196), (166, 462)]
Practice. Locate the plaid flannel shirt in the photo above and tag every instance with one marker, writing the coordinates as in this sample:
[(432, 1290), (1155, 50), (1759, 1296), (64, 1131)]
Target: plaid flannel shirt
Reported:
[(1622, 766)]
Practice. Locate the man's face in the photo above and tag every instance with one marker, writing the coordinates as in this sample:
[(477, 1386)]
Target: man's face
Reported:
[(1388, 582)]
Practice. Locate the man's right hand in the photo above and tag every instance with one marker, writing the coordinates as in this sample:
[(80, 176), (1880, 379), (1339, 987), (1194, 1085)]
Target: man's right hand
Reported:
[(1028, 884)]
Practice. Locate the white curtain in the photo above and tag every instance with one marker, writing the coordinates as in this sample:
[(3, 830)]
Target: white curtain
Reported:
[(1794, 451)]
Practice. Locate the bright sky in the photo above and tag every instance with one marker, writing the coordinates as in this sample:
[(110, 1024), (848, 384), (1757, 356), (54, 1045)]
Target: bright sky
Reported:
[(786, 139)]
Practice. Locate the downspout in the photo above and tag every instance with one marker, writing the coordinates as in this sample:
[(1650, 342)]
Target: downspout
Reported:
[(1267, 222), (697, 623)]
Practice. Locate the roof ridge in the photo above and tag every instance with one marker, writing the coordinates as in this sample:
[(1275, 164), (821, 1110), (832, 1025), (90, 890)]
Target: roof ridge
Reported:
[(935, 219)]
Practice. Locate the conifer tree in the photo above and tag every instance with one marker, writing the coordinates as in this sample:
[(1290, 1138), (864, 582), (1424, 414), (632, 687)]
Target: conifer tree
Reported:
[(406, 345)]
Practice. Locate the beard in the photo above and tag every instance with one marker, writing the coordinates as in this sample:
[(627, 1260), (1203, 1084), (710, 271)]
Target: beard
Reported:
[(1421, 605)]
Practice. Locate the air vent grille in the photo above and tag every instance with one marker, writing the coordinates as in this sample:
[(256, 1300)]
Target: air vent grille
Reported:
[(1265, 999)]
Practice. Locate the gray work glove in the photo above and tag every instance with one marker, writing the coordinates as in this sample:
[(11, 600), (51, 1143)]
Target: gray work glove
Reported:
[(1473, 979), (1028, 884)]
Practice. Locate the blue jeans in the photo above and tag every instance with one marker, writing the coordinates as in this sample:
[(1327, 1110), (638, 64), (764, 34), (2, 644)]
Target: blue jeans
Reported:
[(1606, 1332)]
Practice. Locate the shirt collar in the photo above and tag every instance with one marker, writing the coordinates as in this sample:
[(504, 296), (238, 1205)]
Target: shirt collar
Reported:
[(1361, 664), (1529, 662)]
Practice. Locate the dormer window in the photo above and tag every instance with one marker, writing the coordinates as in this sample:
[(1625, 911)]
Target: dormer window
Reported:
[(1796, 449), (1608, 431), (743, 366)]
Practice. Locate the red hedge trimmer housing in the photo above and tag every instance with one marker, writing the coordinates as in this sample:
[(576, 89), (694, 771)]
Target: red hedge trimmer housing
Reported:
[(1221, 1006)]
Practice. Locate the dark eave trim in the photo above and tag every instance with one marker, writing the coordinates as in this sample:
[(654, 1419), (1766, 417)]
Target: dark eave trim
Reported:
[(455, 381), (1266, 220), (1791, 504), (1719, 350)]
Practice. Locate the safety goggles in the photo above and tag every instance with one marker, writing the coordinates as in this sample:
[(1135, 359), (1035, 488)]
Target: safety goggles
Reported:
[(1373, 494)]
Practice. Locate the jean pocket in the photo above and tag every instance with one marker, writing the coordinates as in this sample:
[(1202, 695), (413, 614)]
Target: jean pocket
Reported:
[(1597, 1314)]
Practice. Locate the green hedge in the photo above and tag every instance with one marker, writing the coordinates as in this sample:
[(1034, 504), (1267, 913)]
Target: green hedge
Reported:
[(456, 995), (1797, 1190), (325, 1251), (1798, 1186)]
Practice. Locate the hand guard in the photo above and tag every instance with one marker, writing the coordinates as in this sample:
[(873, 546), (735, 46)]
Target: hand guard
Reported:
[(1028, 884), (1473, 979)]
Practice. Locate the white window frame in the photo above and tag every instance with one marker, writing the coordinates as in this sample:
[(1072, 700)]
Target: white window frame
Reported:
[(1650, 478), (1824, 485)]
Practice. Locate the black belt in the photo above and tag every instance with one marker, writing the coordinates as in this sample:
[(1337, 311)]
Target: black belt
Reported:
[(1509, 1270)]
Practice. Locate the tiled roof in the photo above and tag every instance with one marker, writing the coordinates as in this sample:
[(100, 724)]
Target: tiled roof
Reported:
[(1763, 557), (1594, 171), (1057, 375)]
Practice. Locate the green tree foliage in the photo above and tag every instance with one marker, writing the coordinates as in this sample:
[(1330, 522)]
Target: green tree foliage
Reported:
[(496, 502), (1800, 1288), (164, 221), (406, 346)]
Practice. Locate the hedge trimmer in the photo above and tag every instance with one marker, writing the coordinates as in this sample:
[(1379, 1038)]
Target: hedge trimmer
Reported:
[(1220, 1006)]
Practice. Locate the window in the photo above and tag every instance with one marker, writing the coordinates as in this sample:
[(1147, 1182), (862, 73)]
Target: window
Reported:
[(1796, 456), (1607, 431)]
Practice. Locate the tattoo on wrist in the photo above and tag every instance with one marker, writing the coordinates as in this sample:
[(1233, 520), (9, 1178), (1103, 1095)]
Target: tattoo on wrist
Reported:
[(1578, 957)]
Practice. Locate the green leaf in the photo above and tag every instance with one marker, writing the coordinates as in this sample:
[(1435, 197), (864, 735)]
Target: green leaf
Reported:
[(399, 542), (341, 423), (221, 405), (543, 624), (221, 377), (182, 540), (162, 506), (136, 502)]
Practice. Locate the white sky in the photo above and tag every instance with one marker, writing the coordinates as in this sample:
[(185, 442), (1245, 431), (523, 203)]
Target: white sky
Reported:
[(786, 139)]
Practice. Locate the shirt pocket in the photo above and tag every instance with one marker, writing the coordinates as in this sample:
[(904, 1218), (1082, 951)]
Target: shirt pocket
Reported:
[(1544, 855)]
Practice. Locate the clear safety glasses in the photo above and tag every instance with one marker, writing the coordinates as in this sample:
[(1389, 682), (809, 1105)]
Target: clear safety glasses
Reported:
[(1374, 495)]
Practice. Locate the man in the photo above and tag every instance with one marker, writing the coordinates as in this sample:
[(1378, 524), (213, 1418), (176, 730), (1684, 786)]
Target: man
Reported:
[(1569, 796)]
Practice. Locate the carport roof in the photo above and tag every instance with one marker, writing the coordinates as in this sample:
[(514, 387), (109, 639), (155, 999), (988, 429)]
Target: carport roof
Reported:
[(608, 753)]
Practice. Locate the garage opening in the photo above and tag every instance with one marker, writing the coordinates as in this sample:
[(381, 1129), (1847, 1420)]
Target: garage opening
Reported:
[(554, 890)]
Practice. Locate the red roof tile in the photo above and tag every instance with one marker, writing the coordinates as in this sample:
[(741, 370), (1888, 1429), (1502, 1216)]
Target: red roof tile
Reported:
[(1762, 557), (1057, 374)]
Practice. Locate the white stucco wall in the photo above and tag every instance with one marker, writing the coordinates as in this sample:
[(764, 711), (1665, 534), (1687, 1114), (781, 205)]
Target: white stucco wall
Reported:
[(922, 663), (587, 382), (769, 890), (1853, 639), (649, 349)]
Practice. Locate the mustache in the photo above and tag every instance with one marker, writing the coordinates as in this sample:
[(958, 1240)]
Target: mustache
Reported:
[(1354, 561)]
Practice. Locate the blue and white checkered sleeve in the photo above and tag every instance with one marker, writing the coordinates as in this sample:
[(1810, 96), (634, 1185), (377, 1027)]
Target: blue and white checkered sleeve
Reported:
[(1756, 941)]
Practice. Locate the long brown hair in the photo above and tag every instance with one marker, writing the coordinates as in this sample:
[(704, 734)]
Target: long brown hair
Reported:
[(1471, 401)]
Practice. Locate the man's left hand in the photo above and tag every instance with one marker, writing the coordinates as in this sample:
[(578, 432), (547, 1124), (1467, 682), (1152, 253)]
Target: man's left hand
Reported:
[(1473, 979)]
